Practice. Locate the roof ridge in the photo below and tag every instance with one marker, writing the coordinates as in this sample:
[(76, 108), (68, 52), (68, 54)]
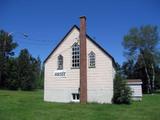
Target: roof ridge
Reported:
[(92, 40)]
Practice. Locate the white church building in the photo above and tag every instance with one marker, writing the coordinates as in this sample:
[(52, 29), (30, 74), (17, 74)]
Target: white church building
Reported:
[(78, 69)]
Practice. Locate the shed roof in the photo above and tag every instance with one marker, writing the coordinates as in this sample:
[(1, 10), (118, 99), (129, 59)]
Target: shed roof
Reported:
[(134, 81)]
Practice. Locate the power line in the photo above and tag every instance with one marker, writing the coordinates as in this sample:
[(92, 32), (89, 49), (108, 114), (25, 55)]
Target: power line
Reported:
[(62, 52), (26, 38)]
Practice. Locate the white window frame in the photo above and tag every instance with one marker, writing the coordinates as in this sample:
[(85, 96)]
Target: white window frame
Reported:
[(76, 97), (58, 62), (75, 59)]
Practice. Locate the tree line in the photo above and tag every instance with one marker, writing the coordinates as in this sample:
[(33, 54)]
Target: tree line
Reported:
[(22, 72), (142, 50)]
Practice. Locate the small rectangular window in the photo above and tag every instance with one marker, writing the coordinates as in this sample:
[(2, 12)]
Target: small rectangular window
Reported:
[(75, 97)]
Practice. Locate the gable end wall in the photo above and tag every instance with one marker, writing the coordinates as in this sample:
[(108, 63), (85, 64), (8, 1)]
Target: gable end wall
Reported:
[(99, 79)]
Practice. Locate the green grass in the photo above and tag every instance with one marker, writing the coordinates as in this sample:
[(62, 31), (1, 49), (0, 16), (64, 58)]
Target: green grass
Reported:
[(21, 105)]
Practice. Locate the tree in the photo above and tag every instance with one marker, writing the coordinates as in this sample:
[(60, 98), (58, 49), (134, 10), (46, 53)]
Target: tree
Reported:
[(122, 93), (42, 77), (6, 50), (38, 72), (26, 74), (128, 69), (157, 77), (143, 43), (12, 74), (23, 72), (118, 68)]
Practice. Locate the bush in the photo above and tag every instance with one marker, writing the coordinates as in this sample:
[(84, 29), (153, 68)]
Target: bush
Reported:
[(157, 79), (27, 70), (122, 93), (27, 83), (12, 84)]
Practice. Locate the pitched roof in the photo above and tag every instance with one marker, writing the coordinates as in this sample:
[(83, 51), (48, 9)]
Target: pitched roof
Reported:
[(134, 81), (93, 41)]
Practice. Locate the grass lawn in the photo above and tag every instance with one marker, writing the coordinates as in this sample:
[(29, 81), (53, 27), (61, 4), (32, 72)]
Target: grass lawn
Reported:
[(21, 105)]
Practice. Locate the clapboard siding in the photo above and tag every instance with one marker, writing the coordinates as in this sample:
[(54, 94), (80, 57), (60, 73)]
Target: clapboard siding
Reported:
[(136, 90), (99, 79), (60, 89)]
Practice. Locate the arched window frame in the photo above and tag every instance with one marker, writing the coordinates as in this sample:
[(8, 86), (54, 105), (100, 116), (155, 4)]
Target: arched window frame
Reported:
[(60, 62), (92, 59), (75, 55)]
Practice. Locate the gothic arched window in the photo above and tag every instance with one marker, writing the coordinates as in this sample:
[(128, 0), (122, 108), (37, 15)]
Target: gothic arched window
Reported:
[(60, 62), (92, 59)]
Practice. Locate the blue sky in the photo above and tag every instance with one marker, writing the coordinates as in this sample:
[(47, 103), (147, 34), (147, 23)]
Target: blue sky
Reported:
[(47, 21)]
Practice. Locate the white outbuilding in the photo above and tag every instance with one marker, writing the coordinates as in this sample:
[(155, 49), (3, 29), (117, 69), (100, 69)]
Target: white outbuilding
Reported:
[(136, 88)]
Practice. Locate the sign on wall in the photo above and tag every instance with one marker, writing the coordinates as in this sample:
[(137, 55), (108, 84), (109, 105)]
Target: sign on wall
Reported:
[(60, 73)]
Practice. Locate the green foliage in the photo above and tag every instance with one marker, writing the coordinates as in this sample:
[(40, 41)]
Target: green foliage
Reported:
[(141, 47), (141, 39), (128, 69), (26, 70), (22, 72), (38, 71), (41, 81), (122, 93), (6, 50), (157, 79), (30, 72), (12, 74), (6, 44)]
